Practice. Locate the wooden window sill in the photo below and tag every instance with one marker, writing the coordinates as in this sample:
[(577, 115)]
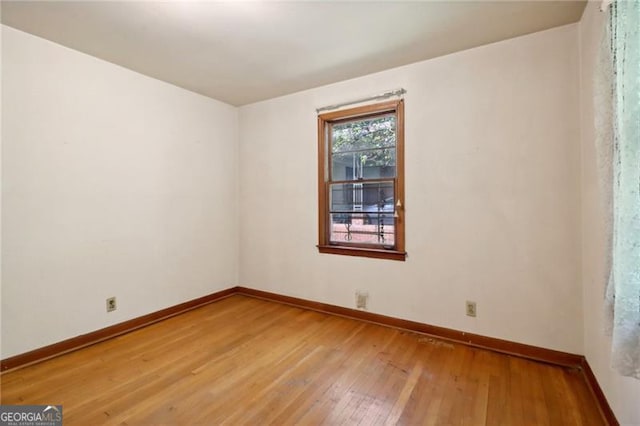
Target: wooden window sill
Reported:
[(363, 252)]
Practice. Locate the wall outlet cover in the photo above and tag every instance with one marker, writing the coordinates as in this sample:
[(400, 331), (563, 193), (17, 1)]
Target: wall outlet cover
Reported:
[(111, 304), (471, 308)]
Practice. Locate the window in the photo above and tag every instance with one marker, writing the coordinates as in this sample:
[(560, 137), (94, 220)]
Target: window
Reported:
[(361, 181)]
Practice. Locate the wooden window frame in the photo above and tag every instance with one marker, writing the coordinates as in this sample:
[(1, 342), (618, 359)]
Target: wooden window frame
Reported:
[(324, 121)]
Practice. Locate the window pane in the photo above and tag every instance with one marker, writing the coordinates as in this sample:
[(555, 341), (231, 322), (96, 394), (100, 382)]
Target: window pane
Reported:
[(366, 164), (363, 228), (362, 213), (364, 134), (366, 196)]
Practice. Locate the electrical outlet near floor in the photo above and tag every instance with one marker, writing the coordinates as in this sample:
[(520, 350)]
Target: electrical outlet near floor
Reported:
[(361, 299), (111, 304), (471, 309)]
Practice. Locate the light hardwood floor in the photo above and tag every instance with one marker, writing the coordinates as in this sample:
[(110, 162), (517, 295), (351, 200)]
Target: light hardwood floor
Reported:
[(247, 361)]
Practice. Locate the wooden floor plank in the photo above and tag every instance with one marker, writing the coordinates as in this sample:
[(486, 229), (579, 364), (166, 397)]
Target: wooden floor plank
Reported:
[(248, 361)]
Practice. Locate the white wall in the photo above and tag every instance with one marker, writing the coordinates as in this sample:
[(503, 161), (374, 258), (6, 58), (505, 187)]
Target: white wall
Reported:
[(114, 184), (623, 393), (492, 204)]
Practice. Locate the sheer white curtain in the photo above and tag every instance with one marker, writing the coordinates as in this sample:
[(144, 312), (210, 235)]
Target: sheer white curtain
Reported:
[(618, 140)]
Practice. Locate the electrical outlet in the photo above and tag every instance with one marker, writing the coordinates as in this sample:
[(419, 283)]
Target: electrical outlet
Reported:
[(471, 309), (111, 304), (361, 299)]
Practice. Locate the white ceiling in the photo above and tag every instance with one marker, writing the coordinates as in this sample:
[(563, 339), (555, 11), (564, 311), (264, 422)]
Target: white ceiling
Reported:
[(241, 52)]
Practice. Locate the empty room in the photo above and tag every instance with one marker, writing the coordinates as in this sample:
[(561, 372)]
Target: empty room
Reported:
[(320, 212)]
